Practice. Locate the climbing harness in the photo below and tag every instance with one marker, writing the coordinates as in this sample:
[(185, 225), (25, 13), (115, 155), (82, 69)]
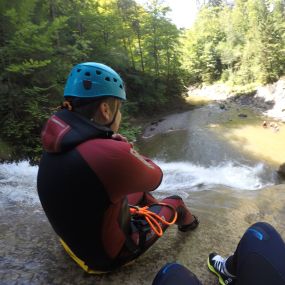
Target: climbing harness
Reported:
[(153, 219), (80, 262)]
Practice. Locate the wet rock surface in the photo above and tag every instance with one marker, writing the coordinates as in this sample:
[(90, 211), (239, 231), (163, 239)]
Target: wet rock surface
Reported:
[(260, 104), (31, 254), (174, 122)]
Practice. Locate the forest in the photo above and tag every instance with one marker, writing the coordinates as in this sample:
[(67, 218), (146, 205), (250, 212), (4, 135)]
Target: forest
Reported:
[(241, 43)]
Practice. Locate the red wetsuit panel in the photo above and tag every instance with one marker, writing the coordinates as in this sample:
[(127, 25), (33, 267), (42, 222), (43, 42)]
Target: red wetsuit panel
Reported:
[(112, 235), (120, 168), (53, 133), (122, 171)]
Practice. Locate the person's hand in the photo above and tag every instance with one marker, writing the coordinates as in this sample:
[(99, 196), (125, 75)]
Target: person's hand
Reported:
[(121, 138)]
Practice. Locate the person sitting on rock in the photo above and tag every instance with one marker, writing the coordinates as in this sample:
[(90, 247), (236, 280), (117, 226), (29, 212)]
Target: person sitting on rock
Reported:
[(92, 183), (258, 260)]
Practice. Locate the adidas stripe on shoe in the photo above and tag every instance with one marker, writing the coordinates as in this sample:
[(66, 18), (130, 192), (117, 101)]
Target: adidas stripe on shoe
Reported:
[(216, 264)]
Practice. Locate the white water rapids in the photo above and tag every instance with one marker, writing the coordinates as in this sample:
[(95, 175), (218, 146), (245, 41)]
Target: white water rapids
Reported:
[(18, 180), (184, 177)]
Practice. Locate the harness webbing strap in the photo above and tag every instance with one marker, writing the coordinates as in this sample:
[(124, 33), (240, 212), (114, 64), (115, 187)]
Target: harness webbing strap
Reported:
[(153, 219), (80, 262)]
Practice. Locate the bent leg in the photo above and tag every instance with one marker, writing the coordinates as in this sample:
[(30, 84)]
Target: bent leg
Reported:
[(142, 237), (259, 257), (185, 220), (146, 236), (174, 273), (141, 199), (146, 199)]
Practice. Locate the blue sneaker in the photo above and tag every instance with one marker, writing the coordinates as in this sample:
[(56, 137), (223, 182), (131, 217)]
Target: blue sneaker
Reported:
[(216, 264)]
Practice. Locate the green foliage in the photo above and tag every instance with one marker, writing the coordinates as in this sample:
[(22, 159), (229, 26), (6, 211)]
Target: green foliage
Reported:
[(5, 151), (202, 58), (40, 40), (241, 43), (27, 66), (128, 130)]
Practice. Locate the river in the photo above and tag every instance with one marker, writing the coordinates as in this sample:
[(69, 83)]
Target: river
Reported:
[(207, 157), (208, 147)]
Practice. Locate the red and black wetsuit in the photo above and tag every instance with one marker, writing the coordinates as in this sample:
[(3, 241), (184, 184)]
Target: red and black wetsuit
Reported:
[(84, 181)]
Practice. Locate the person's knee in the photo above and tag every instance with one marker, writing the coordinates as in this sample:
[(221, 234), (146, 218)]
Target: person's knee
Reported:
[(175, 273), (173, 200), (174, 197), (265, 226), (262, 230)]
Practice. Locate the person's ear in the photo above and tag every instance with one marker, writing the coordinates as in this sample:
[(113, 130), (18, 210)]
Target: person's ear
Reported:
[(105, 111)]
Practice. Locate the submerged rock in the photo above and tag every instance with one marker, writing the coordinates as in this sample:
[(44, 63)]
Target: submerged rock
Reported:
[(281, 171)]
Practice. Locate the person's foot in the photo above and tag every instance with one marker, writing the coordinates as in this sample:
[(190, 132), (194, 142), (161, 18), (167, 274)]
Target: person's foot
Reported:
[(189, 227), (216, 264)]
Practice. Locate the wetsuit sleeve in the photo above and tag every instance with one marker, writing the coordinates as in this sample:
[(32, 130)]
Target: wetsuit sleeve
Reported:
[(120, 168)]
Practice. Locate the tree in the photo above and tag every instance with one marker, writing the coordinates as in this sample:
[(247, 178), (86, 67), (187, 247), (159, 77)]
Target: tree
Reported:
[(201, 54), (40, 40), (241, 43)]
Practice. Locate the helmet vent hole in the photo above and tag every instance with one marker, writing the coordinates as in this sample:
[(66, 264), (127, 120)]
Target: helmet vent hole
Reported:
[(78, 70), (98, 72), (87, 73), (115, 80), (107, 78), (121, 86)]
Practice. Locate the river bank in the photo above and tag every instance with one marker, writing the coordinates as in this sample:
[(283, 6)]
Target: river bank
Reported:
[(235, 126), (268, 99)]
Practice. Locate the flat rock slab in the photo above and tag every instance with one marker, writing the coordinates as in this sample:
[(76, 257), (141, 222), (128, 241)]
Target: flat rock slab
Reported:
[(174, 122), (31, 254)]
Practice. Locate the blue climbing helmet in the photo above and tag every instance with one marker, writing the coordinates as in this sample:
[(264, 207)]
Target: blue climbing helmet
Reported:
[(92, 79)]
